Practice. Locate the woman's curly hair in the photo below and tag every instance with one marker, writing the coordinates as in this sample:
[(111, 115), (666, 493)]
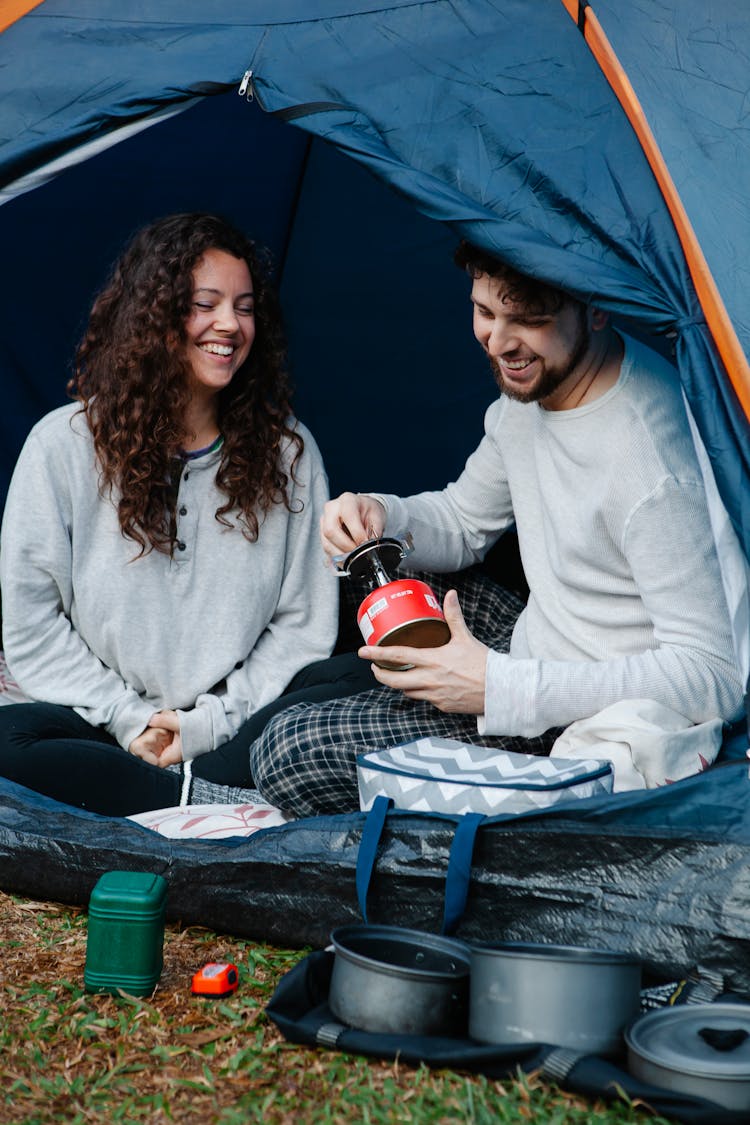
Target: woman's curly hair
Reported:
[(131, 376)]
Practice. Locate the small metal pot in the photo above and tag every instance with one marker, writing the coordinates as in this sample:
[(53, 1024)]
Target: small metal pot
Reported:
[(560, 994), (698, 1049), (393, 980)]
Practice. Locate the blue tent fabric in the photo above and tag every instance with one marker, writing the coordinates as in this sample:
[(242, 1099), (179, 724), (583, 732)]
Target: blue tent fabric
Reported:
[(585, 214), (689, 64)]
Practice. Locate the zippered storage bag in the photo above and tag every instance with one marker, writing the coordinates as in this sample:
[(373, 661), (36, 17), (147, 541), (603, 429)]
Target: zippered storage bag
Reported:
[(447, 776)]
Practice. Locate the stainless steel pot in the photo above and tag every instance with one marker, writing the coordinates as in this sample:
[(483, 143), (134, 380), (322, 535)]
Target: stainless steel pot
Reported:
[(699, 1049), (566, 995), (394, 980)]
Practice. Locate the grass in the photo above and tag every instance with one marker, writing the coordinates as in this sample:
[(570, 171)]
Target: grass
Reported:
[(75, 1057)]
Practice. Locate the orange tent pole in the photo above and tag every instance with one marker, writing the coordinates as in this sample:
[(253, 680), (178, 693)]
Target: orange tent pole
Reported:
[(713, 306), (12, 10)]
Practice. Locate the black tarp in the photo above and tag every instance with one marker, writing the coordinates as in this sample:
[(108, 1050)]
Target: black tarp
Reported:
[(663, 874)]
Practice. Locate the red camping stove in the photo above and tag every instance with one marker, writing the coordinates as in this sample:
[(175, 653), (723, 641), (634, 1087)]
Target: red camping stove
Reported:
[(402, 611)]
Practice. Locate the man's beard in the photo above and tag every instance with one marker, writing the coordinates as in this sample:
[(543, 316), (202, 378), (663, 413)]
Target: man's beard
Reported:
[(551, 377)]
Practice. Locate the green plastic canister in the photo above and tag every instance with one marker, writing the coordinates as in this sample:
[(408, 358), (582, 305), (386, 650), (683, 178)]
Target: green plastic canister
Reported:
[(125, 943)]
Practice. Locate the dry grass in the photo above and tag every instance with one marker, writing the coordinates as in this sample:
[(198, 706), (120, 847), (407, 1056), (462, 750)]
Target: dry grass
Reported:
[(70, 1056)]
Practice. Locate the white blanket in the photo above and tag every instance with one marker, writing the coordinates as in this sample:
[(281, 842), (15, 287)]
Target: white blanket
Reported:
[(648, 744)]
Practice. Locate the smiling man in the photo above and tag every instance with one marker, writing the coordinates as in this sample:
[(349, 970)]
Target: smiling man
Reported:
[(588, 452), (542, 347)]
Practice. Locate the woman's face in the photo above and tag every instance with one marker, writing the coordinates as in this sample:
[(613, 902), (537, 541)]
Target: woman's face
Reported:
[(221, 325)]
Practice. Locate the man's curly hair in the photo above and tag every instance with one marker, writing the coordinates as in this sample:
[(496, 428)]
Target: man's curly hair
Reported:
[(131, 376), (519, 288)]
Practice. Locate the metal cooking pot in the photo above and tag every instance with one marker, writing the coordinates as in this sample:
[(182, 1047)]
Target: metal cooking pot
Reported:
[(699, 1049), (565, 995), (394, 980)]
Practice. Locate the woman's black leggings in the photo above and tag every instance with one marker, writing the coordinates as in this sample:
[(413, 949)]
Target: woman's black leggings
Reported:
[(50, 749)]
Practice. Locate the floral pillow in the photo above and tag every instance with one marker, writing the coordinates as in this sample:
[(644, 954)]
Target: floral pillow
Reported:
[(210, 822)]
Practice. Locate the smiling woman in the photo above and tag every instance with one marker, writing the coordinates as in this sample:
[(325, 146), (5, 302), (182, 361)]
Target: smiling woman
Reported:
[(162, 579), (220, 333)]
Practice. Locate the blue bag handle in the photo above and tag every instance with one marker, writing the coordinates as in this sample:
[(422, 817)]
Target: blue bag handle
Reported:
[(368, 849), (458, 875)]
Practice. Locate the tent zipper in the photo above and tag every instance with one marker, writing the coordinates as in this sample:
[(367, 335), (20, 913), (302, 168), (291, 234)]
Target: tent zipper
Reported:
[(246, 89)]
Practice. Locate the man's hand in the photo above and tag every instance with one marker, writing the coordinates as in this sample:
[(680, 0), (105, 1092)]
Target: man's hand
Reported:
[(451, 677), (348, 521)]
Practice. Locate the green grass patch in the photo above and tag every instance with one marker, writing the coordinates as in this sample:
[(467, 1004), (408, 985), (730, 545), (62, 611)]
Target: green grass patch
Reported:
[(76, 1057)]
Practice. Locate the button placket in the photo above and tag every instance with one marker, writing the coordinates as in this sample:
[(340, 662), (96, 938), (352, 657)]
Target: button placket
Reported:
[(184, 532)]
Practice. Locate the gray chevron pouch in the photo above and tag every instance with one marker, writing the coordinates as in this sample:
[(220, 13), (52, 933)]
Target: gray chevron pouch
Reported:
[(447, 776)]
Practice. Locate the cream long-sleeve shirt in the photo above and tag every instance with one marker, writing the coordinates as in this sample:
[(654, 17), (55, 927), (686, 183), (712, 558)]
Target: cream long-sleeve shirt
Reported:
[(626, 599), (215, 632)]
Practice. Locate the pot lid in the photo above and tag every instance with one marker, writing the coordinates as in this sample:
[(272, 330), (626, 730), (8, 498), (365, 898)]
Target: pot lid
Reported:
[(703, 1040)]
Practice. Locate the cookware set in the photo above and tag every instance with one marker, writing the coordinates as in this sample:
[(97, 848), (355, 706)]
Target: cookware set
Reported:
[(386, 978), (402, 981)]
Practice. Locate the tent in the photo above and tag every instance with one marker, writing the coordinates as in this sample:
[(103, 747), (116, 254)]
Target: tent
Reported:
[(603, 148)]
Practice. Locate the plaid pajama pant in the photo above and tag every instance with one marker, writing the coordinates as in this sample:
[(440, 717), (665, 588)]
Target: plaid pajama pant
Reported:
[(305, 760)]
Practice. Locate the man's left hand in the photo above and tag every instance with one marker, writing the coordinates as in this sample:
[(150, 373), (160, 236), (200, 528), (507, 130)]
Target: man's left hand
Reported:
[(451, 677)]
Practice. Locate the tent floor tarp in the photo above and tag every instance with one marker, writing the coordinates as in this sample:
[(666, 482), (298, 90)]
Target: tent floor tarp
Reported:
[(664, 874)]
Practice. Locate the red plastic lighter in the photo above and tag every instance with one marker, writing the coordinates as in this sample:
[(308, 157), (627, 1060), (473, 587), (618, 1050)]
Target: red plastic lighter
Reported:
[(217, 978)]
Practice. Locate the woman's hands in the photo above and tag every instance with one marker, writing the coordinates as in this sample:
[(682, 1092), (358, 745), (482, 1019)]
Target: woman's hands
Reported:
[(349, 520), (160, 743), (451, 677)]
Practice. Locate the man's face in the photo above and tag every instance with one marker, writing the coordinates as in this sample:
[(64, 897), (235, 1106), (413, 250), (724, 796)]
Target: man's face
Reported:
[(535, 357)]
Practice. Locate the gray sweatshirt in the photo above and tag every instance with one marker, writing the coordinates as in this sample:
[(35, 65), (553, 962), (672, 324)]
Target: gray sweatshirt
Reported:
[(214, 633), (626, 595)]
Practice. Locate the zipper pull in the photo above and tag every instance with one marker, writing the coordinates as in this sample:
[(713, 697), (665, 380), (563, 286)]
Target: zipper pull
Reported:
[(246, 85)]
